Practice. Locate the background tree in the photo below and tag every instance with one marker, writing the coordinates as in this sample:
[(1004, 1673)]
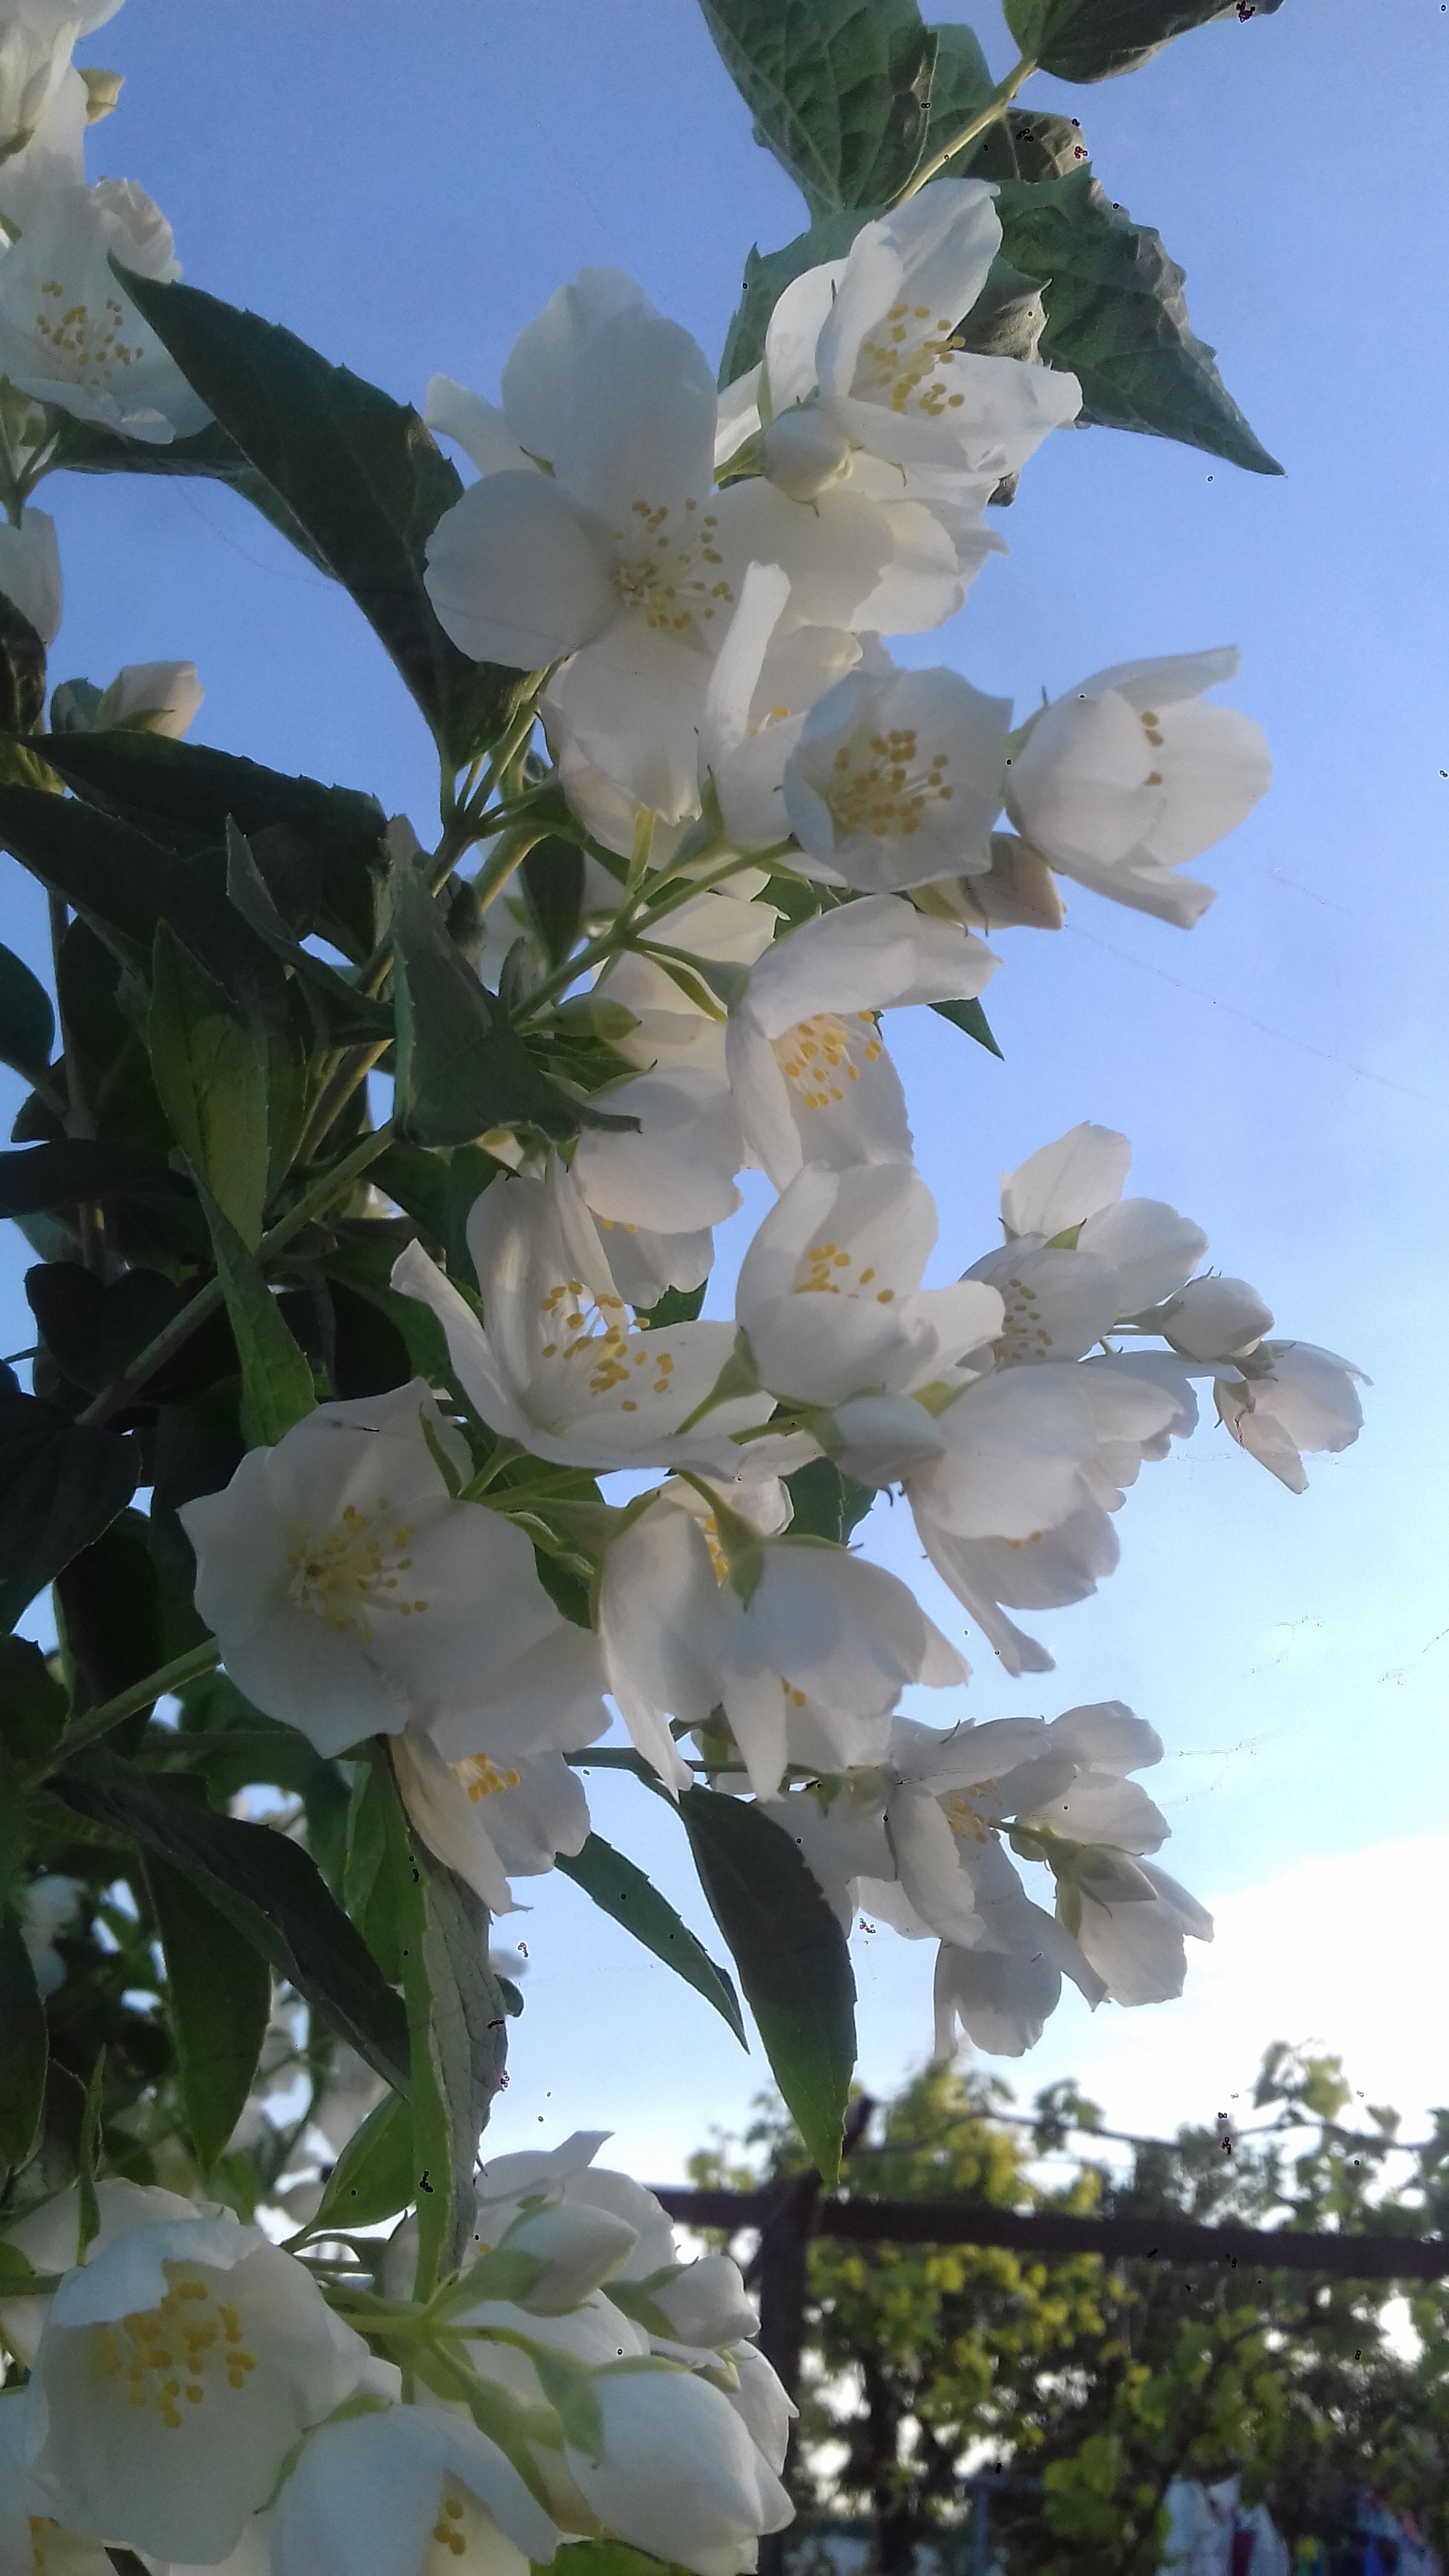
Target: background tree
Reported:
[(1106, 2380)]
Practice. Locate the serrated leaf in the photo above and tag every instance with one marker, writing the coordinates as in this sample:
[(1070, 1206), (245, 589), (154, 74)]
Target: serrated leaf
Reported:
[(1117, 318), (970, 1017), (210, 1068), (768, 273), (218, 1999), (460, 1068), (266, 1885), (838, 90), (27, 1020), (1092, 40), (184, 793), (61, 1484), (825, 1503), (621, 1890), (360, 473), (373, 2176), (792, 1959), (83, 447), (124, 883), (24, 2047)]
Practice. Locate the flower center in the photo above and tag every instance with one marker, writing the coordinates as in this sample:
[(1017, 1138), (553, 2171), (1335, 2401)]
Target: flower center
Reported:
[(1023, 1334), (479, 1776), (902, 358), (86, 348), (882, 783), (462, 2530), (353, 1571), (829, 1270), (662, 573), (1150, 725), (819, 1057), (177, 2353), (598, 1329), (965, 1817)]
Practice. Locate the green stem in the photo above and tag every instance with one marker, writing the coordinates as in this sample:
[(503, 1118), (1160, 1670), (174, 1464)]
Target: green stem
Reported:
[(513, 848), (97, 1722), (207, 1300), (612, 942), (996, 107)]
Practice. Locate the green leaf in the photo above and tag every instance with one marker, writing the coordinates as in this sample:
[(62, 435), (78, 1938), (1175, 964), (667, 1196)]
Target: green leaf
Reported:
[(40, 1177), (457, 2029), (460, 1068), (83, 447), (218, 1998), (970, 1017), (321, 848), (210, 1067), (267, 1886), (961, 85), (88, 2160), (791, 1955), (342, 1014), (614, 2558), (767, 274), (22, 671), (125, 884), (825, 1503), (33, 1707), (276, 1378), (61, 1484), (373, 2176), (27, 1021), (1117, 317), (838, 90), (1092, 40), (359, 473), (619, 1889), (552, 877), (24, 2048)]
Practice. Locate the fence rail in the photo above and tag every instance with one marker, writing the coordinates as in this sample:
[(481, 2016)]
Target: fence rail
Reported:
[(1050, 2231)]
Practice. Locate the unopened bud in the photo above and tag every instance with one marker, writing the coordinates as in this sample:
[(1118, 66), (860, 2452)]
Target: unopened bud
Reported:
[(705, 2302), (1216, 1319), (1018, 891), (151, 697), (802, 453), (579, 2248), (102, 91)]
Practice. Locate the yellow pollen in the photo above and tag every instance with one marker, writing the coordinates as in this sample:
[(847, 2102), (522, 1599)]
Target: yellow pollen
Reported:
[(348, 1575), (481, 1777), (883, 784)]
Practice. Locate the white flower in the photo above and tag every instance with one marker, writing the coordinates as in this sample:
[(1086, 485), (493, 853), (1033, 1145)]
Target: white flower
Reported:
[(152, 697), (612, 558), (48, 1906), (36, 37), (1014, 1508), (805, 1635), (174, 2373), (48, 2236), (829, 1292), (407, 2491), (871, 339), (349, 1592), (767, 675), (1136, 1946), (556, 1364), (1079, 1255), (896, 779), (1128, 776), (68, 333), (678, 2474), (490, 1818), (32, 2542), (672, 1182), (808, 1068), (1288, 1397), (30, 574), (1002, 1999), (674, 1028)]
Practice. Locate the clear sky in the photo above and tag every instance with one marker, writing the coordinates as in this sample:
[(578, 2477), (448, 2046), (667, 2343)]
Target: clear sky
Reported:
[(404, 182)]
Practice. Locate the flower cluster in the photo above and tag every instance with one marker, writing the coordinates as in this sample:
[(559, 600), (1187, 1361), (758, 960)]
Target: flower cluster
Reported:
[(195, 2395)]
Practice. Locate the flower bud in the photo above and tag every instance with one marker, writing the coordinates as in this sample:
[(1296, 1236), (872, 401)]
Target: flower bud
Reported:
[(151, 697), (1017, 891), (678, 2473), (802, 453), (579, 2246), (1214, 1319), (705, 2302), (880, 1438), (102, 91)]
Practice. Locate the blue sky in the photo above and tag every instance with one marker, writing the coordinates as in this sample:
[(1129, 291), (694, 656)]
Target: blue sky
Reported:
[(405, 183)]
